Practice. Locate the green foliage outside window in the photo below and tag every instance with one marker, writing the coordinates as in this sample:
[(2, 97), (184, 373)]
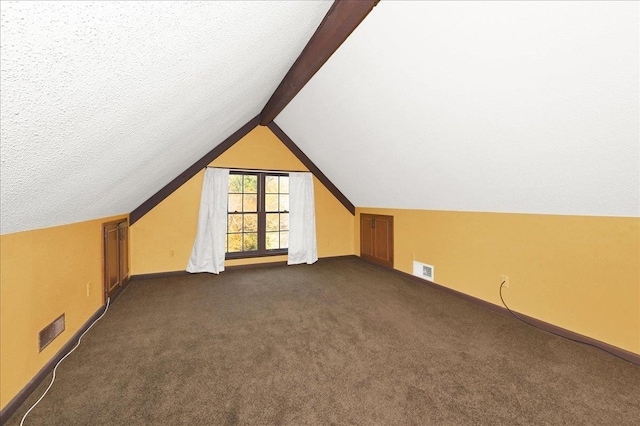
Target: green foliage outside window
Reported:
[(245, 213)]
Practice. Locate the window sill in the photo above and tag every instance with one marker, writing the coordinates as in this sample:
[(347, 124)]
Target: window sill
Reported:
[(248, 255)]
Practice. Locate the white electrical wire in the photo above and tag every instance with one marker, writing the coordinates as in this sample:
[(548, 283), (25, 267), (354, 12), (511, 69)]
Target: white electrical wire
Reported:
[(63, 358)]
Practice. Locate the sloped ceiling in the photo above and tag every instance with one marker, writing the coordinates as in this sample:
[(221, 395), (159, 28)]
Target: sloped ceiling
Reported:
[(103, 103), (478, 106), (527, 107)]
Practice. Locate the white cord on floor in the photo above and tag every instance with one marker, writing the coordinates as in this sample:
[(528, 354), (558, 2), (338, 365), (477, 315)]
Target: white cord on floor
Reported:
[(63, 358)]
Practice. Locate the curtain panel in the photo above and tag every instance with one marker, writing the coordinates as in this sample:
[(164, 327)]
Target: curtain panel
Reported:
[(303, 247), (208, 249)]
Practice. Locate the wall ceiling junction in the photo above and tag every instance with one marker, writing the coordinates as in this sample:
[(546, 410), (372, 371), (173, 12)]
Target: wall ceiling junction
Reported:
[(103, 103), (526, 107)]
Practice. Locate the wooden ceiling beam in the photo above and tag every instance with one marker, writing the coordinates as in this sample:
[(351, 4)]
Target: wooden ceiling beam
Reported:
[(342, 18), (286, 140), (169, 188)]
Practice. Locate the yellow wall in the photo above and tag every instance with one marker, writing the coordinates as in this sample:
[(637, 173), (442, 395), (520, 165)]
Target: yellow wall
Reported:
[(43, 274), (581, 273), (161, 240)]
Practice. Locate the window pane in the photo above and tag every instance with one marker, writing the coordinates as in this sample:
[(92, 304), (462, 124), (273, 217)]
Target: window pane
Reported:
[(250, 242), (235, 243), (235, 183), (250, 183), (250, 223), (272, 221), (284, 221), (235, 203), (245, 192), (284, 239), (272, 240), (271, 184), (250, 202), (284, 202), (235, 223), (271, 202), (284, 184)]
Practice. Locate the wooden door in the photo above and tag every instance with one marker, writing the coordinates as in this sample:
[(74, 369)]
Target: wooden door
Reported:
[(366, 236), (116, 256), (123, 252), (111, 258), (376, 238)]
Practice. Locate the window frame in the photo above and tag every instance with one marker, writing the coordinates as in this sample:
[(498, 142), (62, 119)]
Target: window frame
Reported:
[(262, 217)]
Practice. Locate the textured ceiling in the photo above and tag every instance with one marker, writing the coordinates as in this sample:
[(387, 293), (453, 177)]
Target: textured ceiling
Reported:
[(527, 107), (499, 106), (103, 103)]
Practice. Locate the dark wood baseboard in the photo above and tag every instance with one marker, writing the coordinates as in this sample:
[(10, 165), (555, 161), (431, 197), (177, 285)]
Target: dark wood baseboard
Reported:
[(545, 326), (158, 275), (22, 396), (119, 291), (236, 267), (343, 257)]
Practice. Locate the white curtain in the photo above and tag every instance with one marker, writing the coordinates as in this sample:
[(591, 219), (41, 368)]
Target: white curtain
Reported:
[(302, 219), (208, 250)]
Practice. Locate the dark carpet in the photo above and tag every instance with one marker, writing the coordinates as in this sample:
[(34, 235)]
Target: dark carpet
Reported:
[(338, 342)]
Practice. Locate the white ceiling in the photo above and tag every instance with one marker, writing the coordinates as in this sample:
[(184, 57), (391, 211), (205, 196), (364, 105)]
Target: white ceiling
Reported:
[(528, 107), (501, 106), (104, 103)]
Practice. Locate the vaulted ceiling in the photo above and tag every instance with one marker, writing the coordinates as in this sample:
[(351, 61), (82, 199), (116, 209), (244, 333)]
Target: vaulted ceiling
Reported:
[(527, 107), (482, 106), (103, 103)]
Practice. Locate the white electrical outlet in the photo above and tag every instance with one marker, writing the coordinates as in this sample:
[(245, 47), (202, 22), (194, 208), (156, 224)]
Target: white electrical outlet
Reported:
[(505, 279)]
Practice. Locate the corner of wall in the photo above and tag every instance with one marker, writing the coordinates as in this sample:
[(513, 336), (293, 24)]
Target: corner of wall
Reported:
[(161, 241), (580, 273), (44, 273)]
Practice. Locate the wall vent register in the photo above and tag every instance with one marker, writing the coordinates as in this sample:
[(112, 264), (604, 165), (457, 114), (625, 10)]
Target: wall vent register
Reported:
[(423, 270), (50, 332)]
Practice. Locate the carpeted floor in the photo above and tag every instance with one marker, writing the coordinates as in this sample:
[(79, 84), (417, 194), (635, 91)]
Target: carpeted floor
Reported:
[(338, 342)]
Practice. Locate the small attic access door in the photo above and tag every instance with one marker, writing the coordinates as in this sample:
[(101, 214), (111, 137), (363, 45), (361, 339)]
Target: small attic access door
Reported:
[(376, 238), (116, 256)]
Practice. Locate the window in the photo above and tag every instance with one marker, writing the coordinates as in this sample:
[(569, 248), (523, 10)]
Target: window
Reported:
[(258, 214)]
